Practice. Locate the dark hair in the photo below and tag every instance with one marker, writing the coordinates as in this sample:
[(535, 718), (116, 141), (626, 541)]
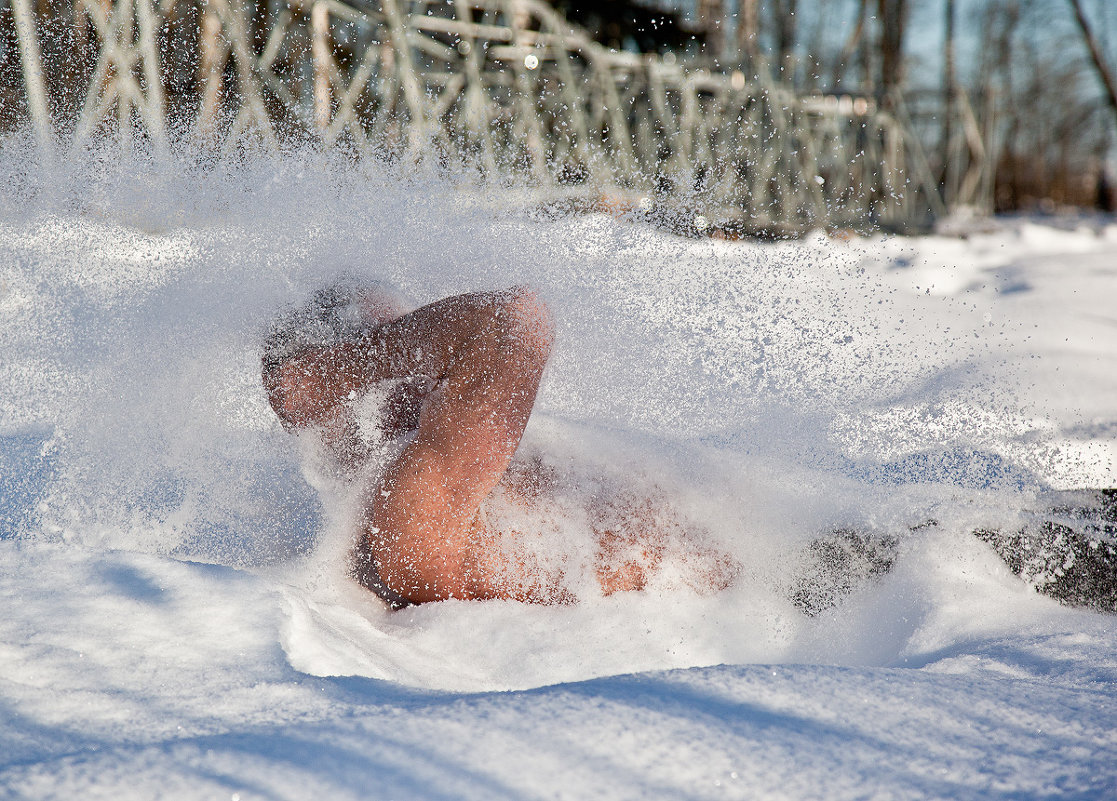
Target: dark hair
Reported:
[(332, 315)]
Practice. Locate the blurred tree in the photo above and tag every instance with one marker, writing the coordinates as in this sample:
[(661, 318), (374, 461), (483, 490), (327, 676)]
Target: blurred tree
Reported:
[(712, 20), (1055, 131), (748, 29), (1104, 73), (784, 14), (892, 15), (853, 45)]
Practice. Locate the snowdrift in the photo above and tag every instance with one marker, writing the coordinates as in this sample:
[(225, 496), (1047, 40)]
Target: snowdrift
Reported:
[(178, 623)]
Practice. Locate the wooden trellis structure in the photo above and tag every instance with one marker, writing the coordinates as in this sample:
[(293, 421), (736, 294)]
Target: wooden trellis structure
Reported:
[(506, 87)]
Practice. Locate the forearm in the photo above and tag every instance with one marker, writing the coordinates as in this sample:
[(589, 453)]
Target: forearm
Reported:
[(431, 341)]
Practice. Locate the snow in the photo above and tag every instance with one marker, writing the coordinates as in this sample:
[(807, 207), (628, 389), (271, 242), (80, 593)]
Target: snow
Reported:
[(176, 618)]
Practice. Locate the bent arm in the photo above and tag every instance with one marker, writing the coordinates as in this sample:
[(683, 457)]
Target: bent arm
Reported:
[(486, 353), (423, 514), (309, 388)]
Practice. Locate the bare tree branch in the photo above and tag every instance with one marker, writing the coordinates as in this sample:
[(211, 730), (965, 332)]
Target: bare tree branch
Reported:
[(851, 46), (1104, 73)]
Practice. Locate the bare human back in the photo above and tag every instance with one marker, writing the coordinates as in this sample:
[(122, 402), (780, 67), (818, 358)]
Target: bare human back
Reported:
[(470, 367)]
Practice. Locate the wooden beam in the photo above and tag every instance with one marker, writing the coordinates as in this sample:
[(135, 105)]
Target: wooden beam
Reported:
[(32, 63)]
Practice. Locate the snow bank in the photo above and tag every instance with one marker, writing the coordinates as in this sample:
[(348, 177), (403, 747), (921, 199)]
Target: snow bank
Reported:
[(177, 622)]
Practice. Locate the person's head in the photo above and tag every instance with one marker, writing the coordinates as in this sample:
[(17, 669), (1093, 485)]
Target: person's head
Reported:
[(343, 311)]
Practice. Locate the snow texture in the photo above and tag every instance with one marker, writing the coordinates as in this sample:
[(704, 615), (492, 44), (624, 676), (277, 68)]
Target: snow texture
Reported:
[(178, 624)]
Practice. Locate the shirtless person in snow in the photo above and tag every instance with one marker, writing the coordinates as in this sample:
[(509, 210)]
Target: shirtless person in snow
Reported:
[(467, 370)]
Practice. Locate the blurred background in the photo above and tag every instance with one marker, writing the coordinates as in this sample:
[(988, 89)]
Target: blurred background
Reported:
[(722, 117)]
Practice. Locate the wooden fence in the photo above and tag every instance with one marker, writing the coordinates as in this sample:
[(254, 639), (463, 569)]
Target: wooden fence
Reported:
[(506, 88)]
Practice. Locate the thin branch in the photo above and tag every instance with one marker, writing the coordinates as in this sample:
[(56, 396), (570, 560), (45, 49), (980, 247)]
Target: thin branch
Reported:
[(1103, 70)]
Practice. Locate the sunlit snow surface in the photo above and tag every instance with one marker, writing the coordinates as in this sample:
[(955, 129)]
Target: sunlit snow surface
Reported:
[(176, 621)]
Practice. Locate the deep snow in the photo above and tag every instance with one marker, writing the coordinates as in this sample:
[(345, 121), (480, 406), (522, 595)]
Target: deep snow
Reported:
[(176, 622)]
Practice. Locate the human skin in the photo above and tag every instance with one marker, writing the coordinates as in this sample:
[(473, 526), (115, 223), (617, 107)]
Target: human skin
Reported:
[(481, 357)]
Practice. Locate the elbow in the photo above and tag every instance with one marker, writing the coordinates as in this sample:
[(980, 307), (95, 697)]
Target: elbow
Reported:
[(528, 322)]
